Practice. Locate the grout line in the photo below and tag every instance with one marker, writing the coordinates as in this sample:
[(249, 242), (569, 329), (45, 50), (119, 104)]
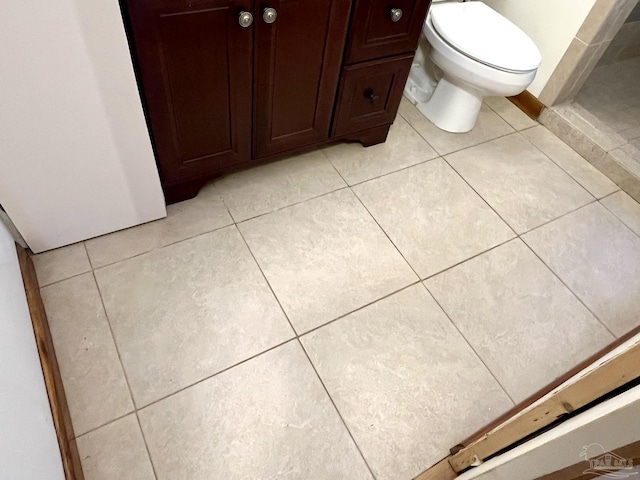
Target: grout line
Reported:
[(115, 344), (570, 290), (422, 162), (613, 193), (480, 196), (385, 233), (412, 284), (564, 170), (215, 374), (160, 247), (498, 245), (469, 343), (124, 371), (91, 430), (591, 202), (336, 408), (297, 338), (507, 121), (293, 204), (113, 338), (86, 251), (462, 148), (637, 234), (146, 445), (391, 172), (63, 279), (246, 244)]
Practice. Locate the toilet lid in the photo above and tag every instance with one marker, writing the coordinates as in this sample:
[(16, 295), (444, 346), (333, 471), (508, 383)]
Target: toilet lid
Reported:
[(481, 33)]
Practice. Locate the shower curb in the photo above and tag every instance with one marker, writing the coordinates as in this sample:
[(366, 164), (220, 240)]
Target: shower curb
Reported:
[(621, 164)]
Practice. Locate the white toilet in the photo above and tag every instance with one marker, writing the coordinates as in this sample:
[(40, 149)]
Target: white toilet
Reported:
[(472, 52)]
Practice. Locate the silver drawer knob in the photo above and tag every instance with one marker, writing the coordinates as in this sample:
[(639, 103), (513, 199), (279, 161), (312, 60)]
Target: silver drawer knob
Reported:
[(396, 14), (269, 15), (245, 19)]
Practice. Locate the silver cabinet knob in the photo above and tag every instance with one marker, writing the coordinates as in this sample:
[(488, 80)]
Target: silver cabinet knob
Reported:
[(396, 14), (269, 15), (245, 19)]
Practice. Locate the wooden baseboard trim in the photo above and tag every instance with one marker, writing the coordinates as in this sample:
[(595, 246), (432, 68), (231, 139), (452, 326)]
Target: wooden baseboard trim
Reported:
[(50, 370), (528, 103)]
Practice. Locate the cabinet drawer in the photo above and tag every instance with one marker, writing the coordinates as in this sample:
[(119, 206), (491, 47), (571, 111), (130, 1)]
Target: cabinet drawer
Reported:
[(376, 35), (370, 94)]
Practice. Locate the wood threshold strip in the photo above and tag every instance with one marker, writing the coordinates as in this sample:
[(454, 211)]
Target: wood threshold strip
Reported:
[(611, 374), (528, 103), (546, 390), (51, 372), (440, 471)]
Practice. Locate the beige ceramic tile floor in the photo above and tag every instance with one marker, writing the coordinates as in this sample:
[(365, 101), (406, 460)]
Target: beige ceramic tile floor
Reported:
[(347, 314)]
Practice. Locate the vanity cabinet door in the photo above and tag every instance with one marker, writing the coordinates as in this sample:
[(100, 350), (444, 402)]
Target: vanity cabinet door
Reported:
[(195, 66), (297, 67)]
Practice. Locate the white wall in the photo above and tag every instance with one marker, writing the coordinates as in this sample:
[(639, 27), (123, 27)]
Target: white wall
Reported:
[(551, 24), (28, 444), (75, 155)]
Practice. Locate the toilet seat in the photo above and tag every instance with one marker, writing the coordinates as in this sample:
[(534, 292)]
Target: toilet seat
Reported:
[(479, 32)]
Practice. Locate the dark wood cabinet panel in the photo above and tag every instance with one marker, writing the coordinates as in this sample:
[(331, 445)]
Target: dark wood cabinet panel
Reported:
[(219, 96), (370, 94), (297, 68), (375, 35), (195, 67)]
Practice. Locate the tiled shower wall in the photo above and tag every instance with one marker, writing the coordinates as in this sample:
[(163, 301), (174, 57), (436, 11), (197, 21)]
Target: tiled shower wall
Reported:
[(626, 44), (590, 43)]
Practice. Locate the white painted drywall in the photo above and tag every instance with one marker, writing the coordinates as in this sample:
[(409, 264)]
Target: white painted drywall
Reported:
[(551, 24), (75, 155), (28, 444)]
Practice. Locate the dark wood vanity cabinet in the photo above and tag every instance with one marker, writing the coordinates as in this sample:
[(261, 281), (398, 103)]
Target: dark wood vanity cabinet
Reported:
[(229, 82)]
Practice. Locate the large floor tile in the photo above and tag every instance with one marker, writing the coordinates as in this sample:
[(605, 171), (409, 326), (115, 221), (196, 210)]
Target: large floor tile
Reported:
[(519, 182), (432, 216), (325, 258), (510, 113), (524, 323), (405, 381), (598, 257), (93, 379), (570, 161), (403, 148), (115, 451), (189, 310), (268, 418), (61, 263), (488, 127), (625, 208), (201, 214), (275, 185)]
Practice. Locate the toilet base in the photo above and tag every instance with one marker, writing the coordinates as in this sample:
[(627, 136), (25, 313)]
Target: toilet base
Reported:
[(451, 107)]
